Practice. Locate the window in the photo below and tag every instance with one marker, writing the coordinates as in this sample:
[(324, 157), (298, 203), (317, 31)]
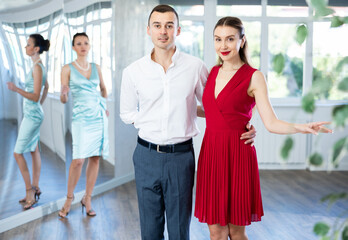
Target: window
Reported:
[(95, 20), (289, 82), (278, 23), (17, 35), (330, 63), (191, 39), (4, 59)]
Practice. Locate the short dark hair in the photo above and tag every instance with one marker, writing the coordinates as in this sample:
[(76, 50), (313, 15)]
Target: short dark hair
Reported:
[(40, 42), (163, 8), (78, 35)]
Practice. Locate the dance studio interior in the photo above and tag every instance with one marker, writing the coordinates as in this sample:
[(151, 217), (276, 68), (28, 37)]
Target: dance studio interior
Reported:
[(301, 48)]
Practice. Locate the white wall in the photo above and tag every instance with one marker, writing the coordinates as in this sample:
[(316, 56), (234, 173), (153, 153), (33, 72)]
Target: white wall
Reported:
[(52, 132), (131, 43)]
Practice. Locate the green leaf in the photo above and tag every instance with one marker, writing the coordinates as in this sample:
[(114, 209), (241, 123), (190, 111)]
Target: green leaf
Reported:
[(336, 21), (286, 148), (278, 63), (301, 33), (340, 115), (340, 149), (343, 85), (345, 233), (321, 85), (321, 229), (316, 159), (341, 64), (334, 197), (317, 3), (323, 11), (308, 103), (320, 7), (345, 19)]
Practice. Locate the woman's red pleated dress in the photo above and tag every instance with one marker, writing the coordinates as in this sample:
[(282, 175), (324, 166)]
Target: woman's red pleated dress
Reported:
[(228, 183)]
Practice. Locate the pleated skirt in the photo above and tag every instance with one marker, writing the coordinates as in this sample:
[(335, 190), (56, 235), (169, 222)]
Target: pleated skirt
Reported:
[(228, 183)]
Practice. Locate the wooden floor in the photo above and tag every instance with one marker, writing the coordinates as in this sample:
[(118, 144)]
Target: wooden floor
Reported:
[(53, 173), (290, 198)]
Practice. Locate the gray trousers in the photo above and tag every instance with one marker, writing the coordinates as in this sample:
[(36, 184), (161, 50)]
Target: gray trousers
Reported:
[(164, 183)]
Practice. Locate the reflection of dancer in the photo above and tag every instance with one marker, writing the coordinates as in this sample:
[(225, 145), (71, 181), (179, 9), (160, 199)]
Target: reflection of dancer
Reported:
[(158, 95), (29, 131), (89, 121), (228, 195)]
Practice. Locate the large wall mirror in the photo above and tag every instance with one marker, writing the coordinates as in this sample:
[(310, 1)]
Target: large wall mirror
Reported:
[(58, 21), (19, 20)]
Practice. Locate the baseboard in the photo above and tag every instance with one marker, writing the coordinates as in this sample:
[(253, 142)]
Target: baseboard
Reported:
[(40, 211)]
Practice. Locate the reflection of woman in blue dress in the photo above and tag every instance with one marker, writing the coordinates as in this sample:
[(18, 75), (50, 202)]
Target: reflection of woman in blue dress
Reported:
[(29, 131), (89, 121)]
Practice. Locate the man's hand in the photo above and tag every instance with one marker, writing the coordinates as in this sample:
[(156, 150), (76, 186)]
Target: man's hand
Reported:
[(249, 135)]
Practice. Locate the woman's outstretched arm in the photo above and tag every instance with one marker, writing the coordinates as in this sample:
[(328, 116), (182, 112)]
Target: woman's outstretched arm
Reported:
[(258, 89)]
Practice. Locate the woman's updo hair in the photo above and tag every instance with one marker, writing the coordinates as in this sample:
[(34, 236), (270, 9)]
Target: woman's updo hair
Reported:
[(40, 42), (237, 24), (78, 35)]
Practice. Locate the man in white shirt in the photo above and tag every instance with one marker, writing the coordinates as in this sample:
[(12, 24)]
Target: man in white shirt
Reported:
[(158, 95)]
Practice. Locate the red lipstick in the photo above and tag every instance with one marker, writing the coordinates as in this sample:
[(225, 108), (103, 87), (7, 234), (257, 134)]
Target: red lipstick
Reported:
[(225, 53)]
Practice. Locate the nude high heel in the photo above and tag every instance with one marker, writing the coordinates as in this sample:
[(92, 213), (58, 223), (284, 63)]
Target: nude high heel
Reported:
[(29, 204), (64, 212), (91, 212)]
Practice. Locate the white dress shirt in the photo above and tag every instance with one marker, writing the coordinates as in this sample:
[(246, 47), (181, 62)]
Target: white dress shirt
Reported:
[(163, 105)]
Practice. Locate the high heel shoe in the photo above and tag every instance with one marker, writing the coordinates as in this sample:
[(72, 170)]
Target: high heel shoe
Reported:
[(91, 212), (22, 200), (29, 204), (64, 212), (37, 195)]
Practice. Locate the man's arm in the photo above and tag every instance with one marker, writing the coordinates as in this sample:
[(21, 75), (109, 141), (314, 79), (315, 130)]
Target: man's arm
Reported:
[(200, 85), (128, 99)]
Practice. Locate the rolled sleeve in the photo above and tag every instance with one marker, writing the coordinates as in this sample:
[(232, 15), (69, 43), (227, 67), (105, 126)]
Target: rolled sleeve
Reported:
[(128, 99), (203, 76)]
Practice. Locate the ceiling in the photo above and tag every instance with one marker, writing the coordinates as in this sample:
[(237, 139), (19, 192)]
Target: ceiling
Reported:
[(6, 5)]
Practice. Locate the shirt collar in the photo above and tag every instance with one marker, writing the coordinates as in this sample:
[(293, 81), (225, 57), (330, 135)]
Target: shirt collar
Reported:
[(175, 56)]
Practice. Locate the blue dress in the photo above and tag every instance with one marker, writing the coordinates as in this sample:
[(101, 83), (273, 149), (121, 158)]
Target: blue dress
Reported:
[(29, 131), (89, 120)]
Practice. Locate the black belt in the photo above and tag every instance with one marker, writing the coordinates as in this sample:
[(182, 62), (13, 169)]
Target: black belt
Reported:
[(171, 148)]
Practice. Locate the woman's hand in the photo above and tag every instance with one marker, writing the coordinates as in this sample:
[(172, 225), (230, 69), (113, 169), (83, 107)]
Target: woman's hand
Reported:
[(64, 93), (313, 127), (11, 86), (107, 113), (64, 90)]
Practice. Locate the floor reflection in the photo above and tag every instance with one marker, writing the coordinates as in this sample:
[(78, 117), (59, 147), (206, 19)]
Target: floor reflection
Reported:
[(52, 180), (53, 172)]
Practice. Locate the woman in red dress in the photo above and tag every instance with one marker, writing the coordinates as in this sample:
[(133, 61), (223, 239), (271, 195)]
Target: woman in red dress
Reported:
[(228, 194)]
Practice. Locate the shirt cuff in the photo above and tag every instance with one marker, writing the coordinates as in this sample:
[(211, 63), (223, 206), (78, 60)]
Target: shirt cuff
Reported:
[(128, 118)]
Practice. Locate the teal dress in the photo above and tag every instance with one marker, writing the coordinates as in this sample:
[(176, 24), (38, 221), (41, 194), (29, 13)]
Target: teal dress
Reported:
[(89, 120), (29, 131)]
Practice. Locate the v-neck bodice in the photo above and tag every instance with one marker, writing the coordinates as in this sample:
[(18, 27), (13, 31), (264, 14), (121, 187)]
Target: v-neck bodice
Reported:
[(230, 82), (87, 99), (232, 108)]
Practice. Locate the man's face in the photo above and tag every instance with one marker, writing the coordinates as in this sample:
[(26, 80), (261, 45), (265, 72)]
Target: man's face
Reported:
[(163, 29)]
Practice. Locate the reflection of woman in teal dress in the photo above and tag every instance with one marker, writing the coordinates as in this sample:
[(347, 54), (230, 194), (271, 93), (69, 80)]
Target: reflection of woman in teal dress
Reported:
[(29, 131), (89, 121)]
